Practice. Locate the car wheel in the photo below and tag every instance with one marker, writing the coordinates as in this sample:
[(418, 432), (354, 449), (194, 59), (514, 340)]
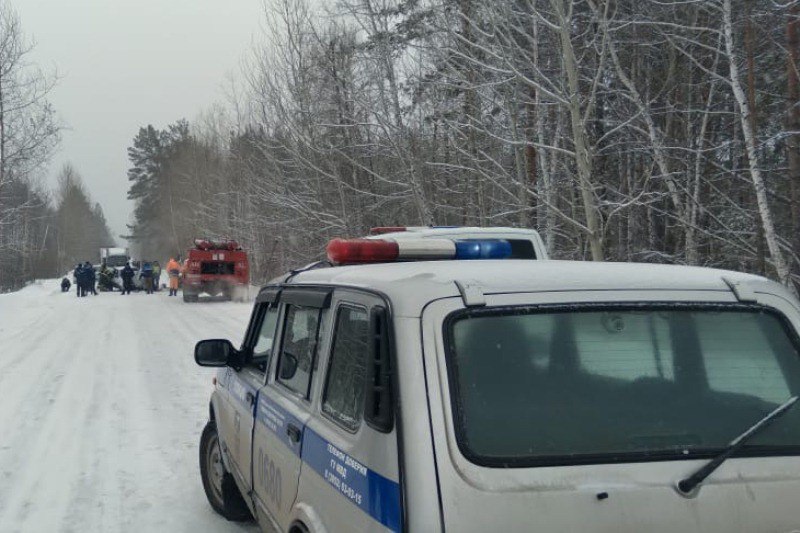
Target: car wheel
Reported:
[(220, 487), (189, 298)]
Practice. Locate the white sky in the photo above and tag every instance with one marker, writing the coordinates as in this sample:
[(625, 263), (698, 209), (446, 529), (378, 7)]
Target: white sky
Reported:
[(126, 64)]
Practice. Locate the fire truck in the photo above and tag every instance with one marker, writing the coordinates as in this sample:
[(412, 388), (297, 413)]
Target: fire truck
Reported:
[(216, 268)]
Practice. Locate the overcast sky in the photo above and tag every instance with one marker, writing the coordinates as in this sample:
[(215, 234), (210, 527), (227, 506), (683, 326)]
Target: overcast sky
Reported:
[(126, 64)]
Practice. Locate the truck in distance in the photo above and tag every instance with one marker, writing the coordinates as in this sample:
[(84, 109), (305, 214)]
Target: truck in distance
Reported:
[(216, 268), (114, 257)]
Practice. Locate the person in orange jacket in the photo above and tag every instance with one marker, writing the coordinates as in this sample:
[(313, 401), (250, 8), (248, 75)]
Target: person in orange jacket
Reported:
[(174, 271)]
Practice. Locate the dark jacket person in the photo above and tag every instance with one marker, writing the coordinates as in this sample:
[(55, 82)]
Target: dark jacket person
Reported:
[(127, 279)]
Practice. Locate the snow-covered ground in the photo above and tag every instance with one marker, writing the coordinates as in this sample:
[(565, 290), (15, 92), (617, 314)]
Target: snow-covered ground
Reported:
[(101, 409)]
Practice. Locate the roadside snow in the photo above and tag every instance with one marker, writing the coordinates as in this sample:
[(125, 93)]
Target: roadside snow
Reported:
[(101, 409)]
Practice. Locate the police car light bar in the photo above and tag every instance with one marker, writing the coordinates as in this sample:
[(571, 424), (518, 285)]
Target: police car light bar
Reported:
[(382, 230), (349, 251)]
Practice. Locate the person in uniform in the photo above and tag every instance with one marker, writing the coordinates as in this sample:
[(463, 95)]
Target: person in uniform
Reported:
[(105, 278), (156, 275), (147, 277), (174, 271), (127, 279), (91, 278), (78, 276)]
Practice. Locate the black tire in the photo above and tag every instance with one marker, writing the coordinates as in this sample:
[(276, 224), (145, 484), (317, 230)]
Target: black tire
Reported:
[(220, 487), (189, 298)]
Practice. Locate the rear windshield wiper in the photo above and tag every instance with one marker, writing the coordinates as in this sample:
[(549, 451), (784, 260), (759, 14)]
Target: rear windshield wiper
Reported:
[(687, 485)]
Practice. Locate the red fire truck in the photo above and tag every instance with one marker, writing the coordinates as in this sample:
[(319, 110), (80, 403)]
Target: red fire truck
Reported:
[(216, 268)]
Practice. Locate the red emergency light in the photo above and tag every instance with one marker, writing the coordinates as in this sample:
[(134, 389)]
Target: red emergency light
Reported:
[(342, 251), (207, 244)]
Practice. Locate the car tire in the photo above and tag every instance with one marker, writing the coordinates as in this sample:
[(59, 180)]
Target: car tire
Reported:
[(218, 483), (189, 298)]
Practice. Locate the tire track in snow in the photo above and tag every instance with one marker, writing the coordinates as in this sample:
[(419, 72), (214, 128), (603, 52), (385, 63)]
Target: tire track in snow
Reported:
[(116, 448), (50, 470), (29, 391)]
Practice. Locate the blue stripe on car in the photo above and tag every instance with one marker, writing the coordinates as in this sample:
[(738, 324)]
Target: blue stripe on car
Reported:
[(371, 492), (238, 389), (276, 419)]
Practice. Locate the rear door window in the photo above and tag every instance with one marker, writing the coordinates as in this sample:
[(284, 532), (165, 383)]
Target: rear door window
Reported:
[(343, 399)]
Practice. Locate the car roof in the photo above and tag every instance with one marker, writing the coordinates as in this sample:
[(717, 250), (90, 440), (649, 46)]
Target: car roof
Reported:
[(457, 231), (411, 285)]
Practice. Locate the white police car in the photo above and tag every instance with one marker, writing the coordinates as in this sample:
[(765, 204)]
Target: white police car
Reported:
[(507, 395)]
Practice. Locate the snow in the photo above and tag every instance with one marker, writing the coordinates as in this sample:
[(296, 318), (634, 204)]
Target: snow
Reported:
[(101, 409)]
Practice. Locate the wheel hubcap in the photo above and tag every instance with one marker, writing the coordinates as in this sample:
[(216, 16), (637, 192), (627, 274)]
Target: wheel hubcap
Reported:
[(215, 468)]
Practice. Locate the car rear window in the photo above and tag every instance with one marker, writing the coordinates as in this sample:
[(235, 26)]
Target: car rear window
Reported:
[(117, 261), (568, 385), (218, 268), (522, 249)]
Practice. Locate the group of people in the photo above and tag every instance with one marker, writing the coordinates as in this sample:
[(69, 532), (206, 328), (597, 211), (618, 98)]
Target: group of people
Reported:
[(150, 275), (86, 278)]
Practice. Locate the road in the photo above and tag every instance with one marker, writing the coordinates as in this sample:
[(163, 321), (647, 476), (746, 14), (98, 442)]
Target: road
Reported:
[(101, 409)]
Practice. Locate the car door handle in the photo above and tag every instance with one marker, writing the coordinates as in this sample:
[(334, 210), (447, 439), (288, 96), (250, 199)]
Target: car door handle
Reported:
[(293, 432), (250, 398)]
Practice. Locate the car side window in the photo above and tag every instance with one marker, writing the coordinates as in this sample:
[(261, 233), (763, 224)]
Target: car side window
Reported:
[(262, 351), (299, 347), (343, 399)]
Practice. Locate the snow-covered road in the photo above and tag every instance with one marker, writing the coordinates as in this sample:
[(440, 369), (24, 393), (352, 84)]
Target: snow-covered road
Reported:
[(101, 409)]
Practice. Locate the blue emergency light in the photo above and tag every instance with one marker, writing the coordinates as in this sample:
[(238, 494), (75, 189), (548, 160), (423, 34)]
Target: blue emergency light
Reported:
[(483, 249)]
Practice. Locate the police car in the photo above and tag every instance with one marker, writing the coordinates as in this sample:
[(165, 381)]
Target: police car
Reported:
[(470, 391)]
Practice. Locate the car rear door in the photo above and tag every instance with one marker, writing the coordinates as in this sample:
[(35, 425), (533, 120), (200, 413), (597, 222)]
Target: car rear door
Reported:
[(350, 475), (284, 403), (745, 494)]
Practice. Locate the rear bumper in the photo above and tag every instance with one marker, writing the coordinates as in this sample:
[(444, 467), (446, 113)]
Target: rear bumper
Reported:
[(210, 284)]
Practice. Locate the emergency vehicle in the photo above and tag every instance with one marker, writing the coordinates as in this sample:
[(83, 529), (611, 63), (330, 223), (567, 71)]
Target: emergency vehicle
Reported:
[(215, 268), (437, 384)]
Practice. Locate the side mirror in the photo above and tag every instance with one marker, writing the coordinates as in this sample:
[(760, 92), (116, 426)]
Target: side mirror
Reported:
[(288, 366), (214, 352)]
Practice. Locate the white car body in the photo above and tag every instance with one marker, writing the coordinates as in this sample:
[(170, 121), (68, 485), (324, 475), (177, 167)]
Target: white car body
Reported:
[(417, 477)]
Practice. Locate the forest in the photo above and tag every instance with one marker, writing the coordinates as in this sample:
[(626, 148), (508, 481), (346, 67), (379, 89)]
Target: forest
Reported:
[(43, 232), (622, 130)]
